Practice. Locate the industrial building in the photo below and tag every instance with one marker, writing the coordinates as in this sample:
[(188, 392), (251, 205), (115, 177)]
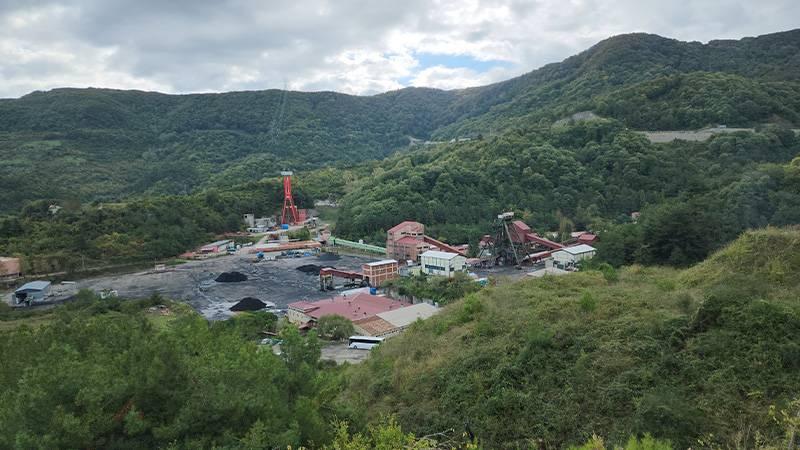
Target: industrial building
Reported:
[(353, 308), (260, 225), (249, 220), (378, 272), (583, 237), (442, 263), (406, 241), (514, 243), (392, 322), (10, 268), (569, 257), (216, 247), (371, 315), (34, 291)]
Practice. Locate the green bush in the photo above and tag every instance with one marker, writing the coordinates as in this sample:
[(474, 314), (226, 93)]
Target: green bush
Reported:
[(335, 327), (588, 302)]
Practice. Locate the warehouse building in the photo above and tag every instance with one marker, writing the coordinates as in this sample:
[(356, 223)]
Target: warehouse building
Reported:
[(34, 291), (569, 257), (216, 247), (442, 263), (393, 322)]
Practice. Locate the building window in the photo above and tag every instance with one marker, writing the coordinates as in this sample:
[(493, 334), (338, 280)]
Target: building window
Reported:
[(432, 267)]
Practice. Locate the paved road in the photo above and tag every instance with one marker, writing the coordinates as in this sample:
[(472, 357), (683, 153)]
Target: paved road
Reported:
[(695, 135), (340, 353)]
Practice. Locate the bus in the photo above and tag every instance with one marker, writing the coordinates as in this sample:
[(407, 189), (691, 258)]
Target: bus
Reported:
[(363, 342)]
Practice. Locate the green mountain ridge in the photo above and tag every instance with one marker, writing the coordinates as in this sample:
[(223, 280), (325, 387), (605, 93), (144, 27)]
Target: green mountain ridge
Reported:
[(588, 175), (100, 144)]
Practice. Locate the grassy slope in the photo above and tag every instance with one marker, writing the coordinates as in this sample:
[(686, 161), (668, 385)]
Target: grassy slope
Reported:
[(679, 354)]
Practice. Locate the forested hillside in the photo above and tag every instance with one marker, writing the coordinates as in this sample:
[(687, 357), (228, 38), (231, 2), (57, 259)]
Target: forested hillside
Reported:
[(696, 357), (139, 230), (586, 81), (590, 175), (99, 144)]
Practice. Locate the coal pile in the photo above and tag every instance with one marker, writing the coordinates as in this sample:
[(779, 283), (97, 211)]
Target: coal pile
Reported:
[(249, 304), (328, 257), (311, 269), (231, 277)]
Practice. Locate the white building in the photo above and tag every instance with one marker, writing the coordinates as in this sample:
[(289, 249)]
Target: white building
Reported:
[(216, 247), (249, 220), (444, 264), (570, 256)]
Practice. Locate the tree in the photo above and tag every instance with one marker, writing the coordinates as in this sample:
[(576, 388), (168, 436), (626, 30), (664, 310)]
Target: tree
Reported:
[(335, 327)]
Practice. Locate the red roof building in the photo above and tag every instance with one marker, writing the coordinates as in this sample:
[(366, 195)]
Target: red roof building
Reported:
[(408, 227), (406, 241), (356, 307)]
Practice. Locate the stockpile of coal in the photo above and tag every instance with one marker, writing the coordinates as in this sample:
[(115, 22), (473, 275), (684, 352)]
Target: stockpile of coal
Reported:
[(328, 257), (311, 269), (231, 277), (249, 304)]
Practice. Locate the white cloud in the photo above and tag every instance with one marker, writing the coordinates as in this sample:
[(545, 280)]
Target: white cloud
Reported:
[(354, 46), (457, 77)]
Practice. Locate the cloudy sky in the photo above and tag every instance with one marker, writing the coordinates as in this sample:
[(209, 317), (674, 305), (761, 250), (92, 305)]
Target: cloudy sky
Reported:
[(359, 47)]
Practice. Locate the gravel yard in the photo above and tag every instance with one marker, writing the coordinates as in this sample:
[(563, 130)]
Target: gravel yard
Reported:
[(276, 282)]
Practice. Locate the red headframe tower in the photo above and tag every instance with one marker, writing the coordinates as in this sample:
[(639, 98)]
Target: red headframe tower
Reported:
[(290, 214)]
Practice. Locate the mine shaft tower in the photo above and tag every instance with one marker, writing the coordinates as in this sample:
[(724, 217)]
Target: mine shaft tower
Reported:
[(289, 209)]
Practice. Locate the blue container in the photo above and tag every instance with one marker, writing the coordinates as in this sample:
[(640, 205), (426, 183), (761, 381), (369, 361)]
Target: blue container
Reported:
[(373, 290), (285, 226)]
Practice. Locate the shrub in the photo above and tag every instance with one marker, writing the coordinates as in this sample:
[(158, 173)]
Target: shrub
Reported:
[(335, 327), (587, 302), (609, 272)]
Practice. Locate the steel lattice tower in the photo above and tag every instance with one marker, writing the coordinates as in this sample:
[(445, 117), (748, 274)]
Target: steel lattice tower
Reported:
[(289, 209)]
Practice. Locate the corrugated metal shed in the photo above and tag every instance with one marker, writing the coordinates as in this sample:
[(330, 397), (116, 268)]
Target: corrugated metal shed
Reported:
[(578, 249), (438, 254), (404, 317), (34, 286)]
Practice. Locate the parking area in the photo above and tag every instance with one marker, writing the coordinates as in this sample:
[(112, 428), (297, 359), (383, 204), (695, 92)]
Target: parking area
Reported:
[(340, 353)]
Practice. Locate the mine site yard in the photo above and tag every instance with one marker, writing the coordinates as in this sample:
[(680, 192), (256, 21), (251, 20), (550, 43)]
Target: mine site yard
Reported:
[(277, 282)]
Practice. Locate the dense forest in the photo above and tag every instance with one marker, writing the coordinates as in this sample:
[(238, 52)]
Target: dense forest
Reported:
[(100, 144), (591, 174), (151, 228), (643, 358)]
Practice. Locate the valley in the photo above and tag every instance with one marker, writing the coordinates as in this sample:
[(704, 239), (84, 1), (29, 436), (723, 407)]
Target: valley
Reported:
[(599, 253)]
